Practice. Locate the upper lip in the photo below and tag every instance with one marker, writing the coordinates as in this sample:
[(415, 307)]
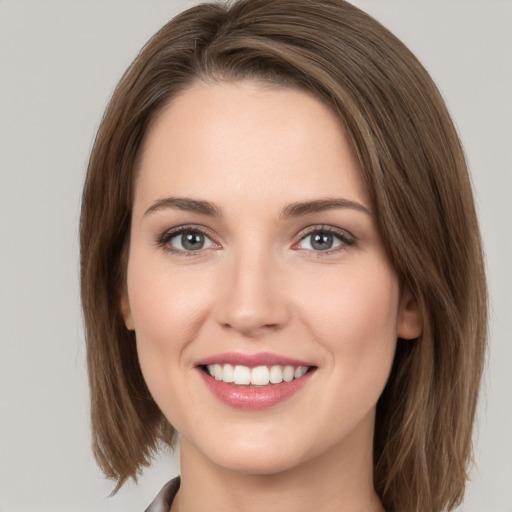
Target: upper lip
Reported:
[(251, 360)]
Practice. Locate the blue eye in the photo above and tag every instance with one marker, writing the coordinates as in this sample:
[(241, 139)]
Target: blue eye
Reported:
[(186, 240), (324, 240)]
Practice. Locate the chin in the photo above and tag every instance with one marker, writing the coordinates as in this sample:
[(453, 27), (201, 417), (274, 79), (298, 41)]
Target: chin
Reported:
[(258, 462), (251, 454)]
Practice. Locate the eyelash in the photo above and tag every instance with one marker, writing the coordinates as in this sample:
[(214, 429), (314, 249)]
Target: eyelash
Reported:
[(346, 239), (167, 236)]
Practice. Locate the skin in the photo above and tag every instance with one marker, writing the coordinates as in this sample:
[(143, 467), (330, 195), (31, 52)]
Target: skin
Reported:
[(258, 285)]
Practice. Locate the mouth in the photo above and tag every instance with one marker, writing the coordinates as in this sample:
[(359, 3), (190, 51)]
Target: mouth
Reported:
[(240, 375), (254, 381)]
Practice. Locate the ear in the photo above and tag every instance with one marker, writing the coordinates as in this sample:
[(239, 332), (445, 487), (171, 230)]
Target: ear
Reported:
[(126, 310), (410, 320)]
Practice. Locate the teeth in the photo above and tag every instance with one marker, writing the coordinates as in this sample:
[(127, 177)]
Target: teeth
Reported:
[(242, 375), (228, 373), (276, 375), (258, 376), (300, 371), (288, 373)]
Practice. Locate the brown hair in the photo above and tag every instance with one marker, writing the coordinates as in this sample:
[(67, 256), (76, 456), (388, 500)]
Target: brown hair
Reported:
[(417, 178)]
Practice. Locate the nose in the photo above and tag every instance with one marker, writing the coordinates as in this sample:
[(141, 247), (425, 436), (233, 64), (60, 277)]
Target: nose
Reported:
[(252, 297)]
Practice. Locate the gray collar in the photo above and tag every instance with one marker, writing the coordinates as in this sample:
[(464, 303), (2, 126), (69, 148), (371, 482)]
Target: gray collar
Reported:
[(164, 499)]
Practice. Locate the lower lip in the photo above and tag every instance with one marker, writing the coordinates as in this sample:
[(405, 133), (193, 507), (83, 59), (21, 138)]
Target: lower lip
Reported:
[(253, 398)]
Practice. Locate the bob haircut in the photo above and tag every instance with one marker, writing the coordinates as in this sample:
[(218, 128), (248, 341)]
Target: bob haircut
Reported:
[(415, 171)]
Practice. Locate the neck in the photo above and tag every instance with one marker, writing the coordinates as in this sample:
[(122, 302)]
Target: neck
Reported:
[(340, 480)]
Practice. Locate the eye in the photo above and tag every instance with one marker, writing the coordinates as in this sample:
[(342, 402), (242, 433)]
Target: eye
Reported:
[(186, 240), (324, 239)]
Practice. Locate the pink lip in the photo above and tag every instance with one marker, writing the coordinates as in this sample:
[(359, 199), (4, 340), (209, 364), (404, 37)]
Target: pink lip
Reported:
[(252, 397), (251, 360)]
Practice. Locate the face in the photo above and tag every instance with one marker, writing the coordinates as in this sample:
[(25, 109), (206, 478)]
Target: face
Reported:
[(265, 309)]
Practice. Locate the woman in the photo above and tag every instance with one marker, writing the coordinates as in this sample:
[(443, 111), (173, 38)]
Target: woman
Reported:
[(281, 263)]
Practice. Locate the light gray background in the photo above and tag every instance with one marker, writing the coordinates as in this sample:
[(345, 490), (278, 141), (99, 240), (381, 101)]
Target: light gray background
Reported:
[(59, 61)]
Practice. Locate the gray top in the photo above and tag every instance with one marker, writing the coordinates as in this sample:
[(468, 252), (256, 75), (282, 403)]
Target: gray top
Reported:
[(163, 501)]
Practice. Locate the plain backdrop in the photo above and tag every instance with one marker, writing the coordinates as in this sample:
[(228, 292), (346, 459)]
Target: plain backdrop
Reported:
[(59, 62)]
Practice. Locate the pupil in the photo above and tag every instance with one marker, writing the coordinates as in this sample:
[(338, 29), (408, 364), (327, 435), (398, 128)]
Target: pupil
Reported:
[(322, 241), (192, 241)]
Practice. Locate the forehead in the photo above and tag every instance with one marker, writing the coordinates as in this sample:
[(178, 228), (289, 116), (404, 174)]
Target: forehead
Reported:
[(251, 139)]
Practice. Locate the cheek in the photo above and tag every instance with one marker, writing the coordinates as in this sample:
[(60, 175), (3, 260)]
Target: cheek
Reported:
[(164, 302), (356, 299), (353, 314), (168, 308), (354, 321)]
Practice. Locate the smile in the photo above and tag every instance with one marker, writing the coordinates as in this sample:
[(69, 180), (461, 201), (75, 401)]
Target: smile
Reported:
[(258, 376), (254, 381)]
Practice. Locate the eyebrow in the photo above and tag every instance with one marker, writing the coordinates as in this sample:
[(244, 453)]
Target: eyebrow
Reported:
[(321, 205), (297, 209), (185, 204)]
